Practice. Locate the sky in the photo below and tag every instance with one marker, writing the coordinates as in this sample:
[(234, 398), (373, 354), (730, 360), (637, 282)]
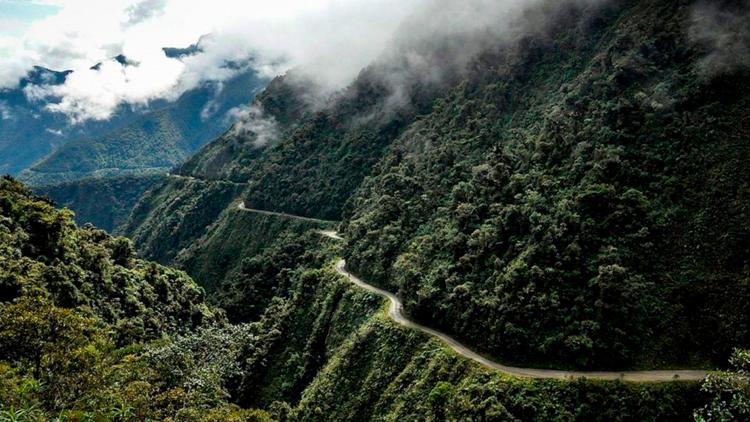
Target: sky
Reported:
[(17, 15), (332, 38)]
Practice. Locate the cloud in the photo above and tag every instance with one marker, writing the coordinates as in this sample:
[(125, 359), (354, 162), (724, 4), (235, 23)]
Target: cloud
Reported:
[(332, 39), (5, 112), (722, 29), (10, 26), (252, 123), (329, 41), (143, 10), (96, 93)]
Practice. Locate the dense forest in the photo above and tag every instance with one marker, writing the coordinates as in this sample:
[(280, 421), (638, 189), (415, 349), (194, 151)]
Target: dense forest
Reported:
[(89, 332), (574, 196), (104, 202), (583, 204)]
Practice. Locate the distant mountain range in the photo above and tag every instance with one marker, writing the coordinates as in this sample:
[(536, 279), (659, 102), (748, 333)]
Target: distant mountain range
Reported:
[(42, 147)]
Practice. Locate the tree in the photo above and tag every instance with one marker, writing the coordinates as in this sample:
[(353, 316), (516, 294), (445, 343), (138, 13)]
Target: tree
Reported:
[(730, 391)]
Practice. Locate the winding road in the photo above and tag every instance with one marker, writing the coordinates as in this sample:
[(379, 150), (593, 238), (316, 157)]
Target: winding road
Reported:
[(396, 313), (196, 179)]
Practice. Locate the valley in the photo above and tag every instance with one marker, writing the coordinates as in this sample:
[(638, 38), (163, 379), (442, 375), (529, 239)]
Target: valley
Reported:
[(364, 211)]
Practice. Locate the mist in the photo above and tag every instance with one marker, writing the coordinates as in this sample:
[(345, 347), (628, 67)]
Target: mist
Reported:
[(722, 30), (251, 122)]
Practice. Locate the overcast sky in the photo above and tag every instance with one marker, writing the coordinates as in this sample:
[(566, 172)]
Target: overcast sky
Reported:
[(335, 38)]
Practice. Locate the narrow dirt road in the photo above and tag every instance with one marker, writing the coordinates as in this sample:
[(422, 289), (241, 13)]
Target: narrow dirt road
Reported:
[(396, 313), (242, 207), (195, 179)]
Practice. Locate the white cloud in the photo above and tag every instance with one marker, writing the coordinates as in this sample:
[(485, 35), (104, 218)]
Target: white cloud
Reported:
[(5, 113), (252, 123), (96, 93), (10, 25), (723, 31), (331, 40)]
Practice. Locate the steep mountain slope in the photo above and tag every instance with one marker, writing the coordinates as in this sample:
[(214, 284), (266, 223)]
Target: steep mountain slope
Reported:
[(174, 215), (553, 207), (89, 332), (582, 203), (325, 350), (46, 255)]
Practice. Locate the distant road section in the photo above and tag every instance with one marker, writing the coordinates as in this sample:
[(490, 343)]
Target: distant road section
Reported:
[(242, 207)]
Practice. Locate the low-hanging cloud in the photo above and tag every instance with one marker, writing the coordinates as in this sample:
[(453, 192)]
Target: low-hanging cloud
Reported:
[(251, 122), (332, 39), (722, 28), (95, 93)]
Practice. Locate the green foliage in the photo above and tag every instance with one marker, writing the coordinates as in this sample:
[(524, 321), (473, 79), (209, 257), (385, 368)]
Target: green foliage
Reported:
[(76, 308), (386, 373), (172, 216), (577, 202), (322, 350), (104, 202), (729, 391), (242, 247), (46, 255)]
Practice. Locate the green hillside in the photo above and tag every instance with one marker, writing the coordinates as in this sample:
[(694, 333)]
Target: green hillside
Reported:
[(576, 198), (89, 332), (104, 202)]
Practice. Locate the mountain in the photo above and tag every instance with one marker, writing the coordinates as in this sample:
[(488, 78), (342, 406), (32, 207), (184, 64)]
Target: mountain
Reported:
[(574, 196), (570, 194), (155, 141), (121, 158), (104, 202), (28, 131), (35, 138)]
